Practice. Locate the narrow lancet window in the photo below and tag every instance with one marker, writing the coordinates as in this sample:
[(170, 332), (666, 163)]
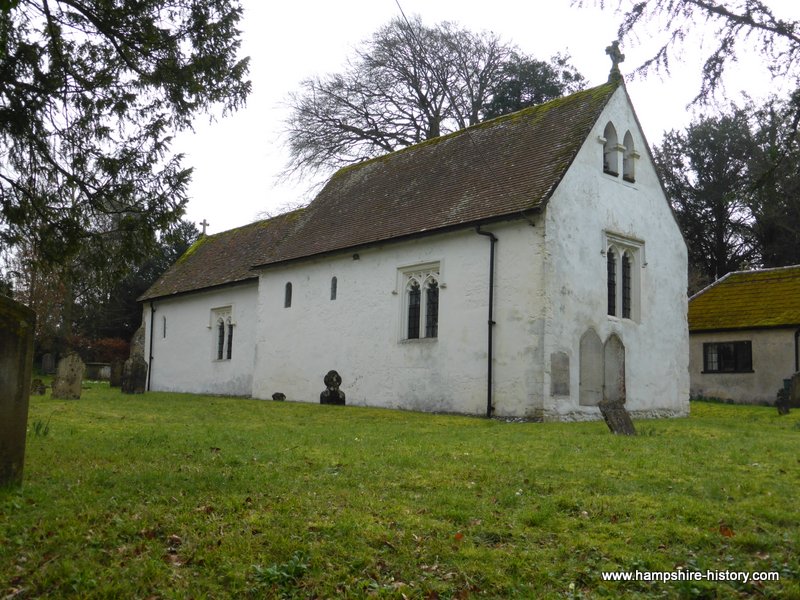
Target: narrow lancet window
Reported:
[(611, 268), (334, 285), (432, 310), (287, 297), (626, 286), (414, 298), (230, 339), (220, 338)]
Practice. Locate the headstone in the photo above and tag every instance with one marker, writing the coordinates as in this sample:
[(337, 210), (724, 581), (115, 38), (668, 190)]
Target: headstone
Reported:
[(48, 364), (332, 393), (137, 343), (279, 397), (134, 375), (69, 375), (96, 371), (783, 402), (115, 377), (794, 391), (16, 364), (616, 417), (37, 387)]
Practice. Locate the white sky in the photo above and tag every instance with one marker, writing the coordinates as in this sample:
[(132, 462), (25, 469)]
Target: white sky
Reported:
[(237, 159)]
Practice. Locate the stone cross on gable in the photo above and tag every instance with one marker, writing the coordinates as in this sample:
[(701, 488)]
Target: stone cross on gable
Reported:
[(616, 57), (205, 224)]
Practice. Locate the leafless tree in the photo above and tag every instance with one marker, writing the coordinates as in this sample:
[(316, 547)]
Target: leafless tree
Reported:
[(406, 84)]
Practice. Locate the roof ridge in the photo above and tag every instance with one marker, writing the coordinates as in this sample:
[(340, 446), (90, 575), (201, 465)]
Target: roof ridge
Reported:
[(523, 112)]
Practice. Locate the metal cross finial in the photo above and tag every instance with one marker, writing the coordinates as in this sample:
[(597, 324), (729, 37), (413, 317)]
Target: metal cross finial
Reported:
[(205, 224), (616, 57)]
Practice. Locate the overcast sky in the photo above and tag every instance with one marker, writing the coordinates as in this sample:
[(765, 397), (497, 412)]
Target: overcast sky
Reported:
[(237, 158)]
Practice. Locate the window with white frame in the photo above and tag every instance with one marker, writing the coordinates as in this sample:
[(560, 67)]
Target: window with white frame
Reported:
[(222, 333), (421, 303), (624, 264)]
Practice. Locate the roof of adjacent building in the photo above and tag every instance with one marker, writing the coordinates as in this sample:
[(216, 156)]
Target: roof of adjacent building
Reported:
[(748, 300), (494, 170), (224, 258)]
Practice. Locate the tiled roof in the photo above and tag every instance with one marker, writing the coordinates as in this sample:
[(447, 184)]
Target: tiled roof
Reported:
[(748, 299), (223, 258), (498, 168), (490, 171)]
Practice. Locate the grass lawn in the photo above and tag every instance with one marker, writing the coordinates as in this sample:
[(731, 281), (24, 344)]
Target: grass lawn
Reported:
[(181, 496)]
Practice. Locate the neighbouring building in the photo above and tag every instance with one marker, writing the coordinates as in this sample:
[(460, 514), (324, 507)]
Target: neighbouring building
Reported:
[(525, 267), (744, 332)]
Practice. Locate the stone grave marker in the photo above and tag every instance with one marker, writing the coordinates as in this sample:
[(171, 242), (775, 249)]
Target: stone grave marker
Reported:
[(68, 379), (48, 364), (115, 377), (134, 375), (617, 417), (16, 364), (332, 394)]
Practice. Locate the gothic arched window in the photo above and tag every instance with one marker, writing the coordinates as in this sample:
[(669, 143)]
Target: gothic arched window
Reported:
[(220, 338), (610, 150), (422, 304), (230, 339), (334, 286), (611, 276)]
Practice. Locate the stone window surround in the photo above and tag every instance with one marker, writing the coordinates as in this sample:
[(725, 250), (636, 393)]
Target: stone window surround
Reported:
[(224, 314), (612, 147), (421, 273), (635, 250)]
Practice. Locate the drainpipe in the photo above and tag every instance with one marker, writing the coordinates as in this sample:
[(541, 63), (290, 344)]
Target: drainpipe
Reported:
[(150, 354), (493, 241)]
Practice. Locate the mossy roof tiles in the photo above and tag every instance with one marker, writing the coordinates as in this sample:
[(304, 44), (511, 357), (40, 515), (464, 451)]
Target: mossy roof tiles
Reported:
[(490, 171), (223, 258), (748, 300)]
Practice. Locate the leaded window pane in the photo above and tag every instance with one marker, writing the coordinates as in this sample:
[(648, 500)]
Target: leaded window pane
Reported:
[(432, 310), (626, 286), (414, 298), (230, 340), (220, 339), (611, 269)]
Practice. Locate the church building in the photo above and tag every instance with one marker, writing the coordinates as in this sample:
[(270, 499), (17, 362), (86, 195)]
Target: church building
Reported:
[(528, 266)]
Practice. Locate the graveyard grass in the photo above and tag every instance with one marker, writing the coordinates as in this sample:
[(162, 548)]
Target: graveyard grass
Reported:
[(182, 496)]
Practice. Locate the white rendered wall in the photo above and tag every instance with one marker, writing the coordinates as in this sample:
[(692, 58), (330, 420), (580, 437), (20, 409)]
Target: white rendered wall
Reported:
[(773, 361), (586, 204), (185, 360), (360, 334)]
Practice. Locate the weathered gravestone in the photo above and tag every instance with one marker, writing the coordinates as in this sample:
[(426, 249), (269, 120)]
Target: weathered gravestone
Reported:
[(617, 417), (137, 343), (16, 363), (68, 379), (134, 375), (332, 393), (115, 378), (48, 364), (38, 387)]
